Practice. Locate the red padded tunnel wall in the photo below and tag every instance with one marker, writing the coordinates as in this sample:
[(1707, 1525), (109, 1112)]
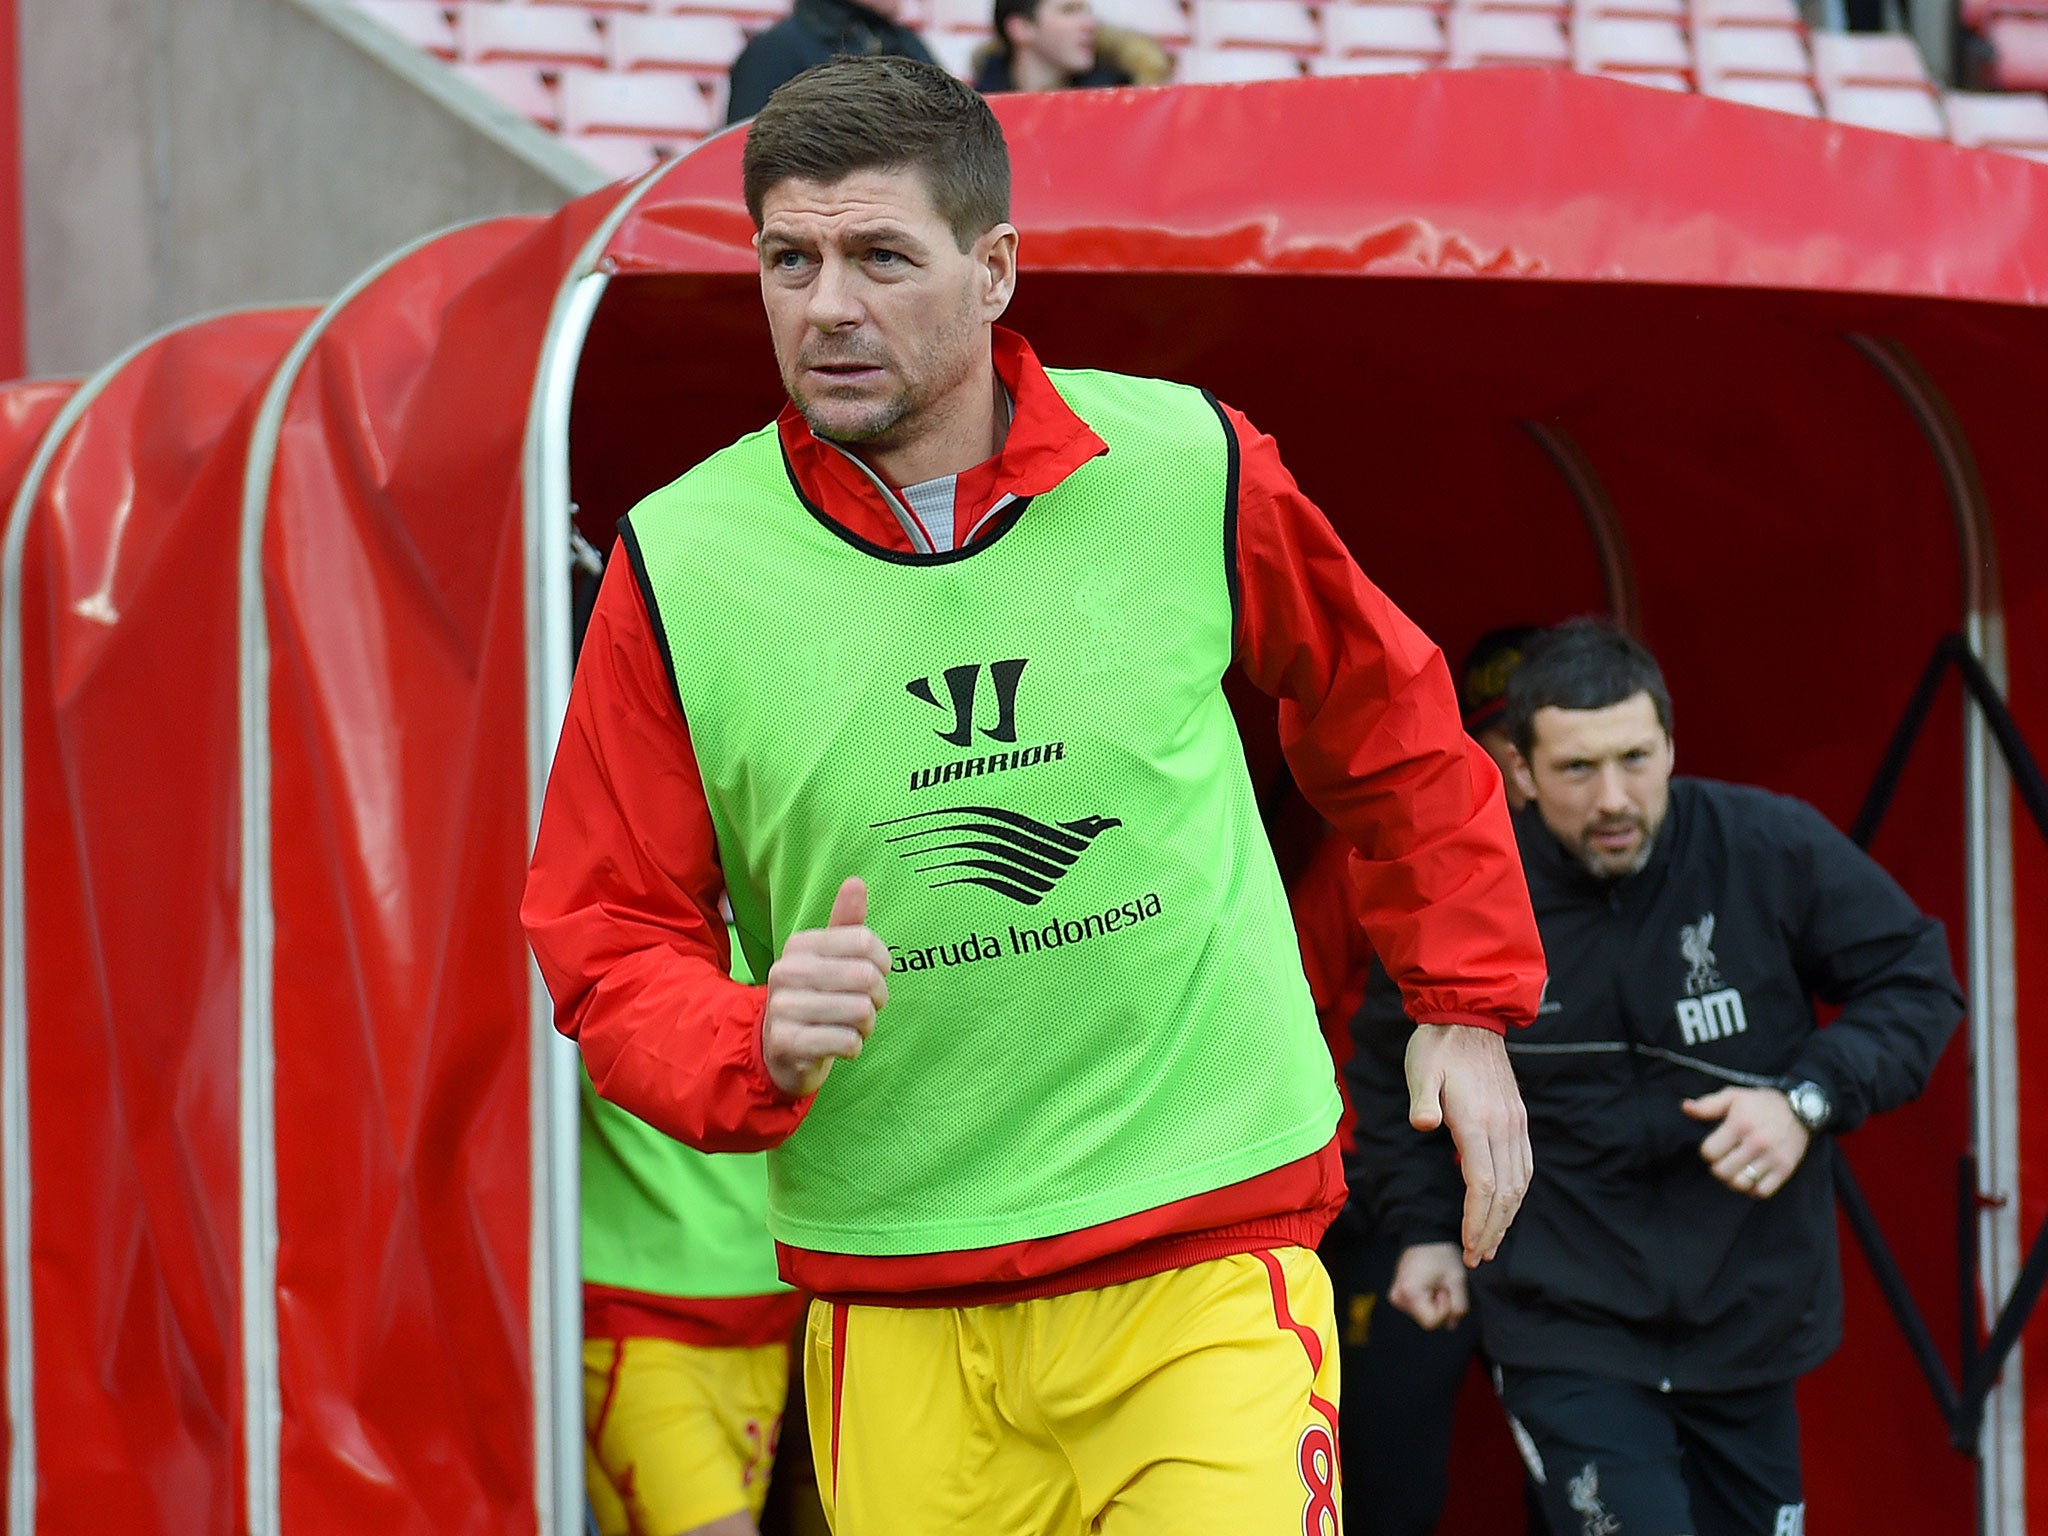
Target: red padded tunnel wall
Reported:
[(1794, 556), (131, 853)]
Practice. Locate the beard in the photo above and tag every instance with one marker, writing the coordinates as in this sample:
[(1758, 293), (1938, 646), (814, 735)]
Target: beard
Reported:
[(887, 419), (1616, 866)]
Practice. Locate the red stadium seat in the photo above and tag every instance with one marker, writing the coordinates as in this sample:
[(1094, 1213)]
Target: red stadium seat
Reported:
[(959, 16), (555, 35), (1748, 13), (2019, 47), (955, 51), (1164, 20), (2014, 122), (1760, 53), (522, 87), (1256, 24), (623, 154), (1868, 58), (1649, 10), (1895, 108), (1372, 64), (423, 23), (1612, 45), (1412, 31), (1480, 38), (1224, 66), (1794, 96), (701, 45), (1657, 79), (656, 104), (751, 14)]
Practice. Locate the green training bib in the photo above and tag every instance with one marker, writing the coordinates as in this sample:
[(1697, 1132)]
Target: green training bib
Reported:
[(666, 1220), (1097, 1004)]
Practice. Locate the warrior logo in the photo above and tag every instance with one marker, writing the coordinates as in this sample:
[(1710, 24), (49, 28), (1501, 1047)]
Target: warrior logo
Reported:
[(1001, 851), (961, 684), (1696, 944)]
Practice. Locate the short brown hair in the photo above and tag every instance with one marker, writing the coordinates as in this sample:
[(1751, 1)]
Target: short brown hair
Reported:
[(880, 112)]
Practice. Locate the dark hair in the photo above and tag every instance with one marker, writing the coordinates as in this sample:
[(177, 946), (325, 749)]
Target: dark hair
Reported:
[(1005, 10), (1584, 664), (883, 113)]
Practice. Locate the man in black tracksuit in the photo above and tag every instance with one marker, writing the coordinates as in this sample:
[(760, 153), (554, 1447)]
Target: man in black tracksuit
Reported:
[(814, 31), (1674, 1268)]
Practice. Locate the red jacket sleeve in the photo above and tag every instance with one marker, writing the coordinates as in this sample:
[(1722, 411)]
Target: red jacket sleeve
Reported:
[(1370, 727), (621, 903)]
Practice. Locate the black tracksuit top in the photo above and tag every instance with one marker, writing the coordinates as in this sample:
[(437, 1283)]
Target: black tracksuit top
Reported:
[(1629, 1259)]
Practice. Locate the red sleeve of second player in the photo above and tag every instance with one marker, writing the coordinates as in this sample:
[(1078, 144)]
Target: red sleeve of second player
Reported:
[(621, 903), (1370, 727)]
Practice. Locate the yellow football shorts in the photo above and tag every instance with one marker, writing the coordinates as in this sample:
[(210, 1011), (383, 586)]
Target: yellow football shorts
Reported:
[(677, 1436), (1200, 1400)]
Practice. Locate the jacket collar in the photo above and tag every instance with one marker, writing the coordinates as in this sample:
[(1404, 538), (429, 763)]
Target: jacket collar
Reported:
[(1046, 443)]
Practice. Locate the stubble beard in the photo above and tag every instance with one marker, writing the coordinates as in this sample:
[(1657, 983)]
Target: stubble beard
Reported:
[(891, 421), (1603, 866)]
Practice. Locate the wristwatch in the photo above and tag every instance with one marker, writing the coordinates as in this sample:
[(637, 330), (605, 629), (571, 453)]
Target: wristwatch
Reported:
[(1810, 1102)]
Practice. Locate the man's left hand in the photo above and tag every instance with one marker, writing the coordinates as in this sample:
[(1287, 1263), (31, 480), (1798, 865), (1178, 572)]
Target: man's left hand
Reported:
[(1759, 1142), (1458, 1076)]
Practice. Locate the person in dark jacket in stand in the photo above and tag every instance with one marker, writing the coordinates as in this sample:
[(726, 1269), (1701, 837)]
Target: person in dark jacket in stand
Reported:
[(1056, 45), (1674, 1270), (816, 30)]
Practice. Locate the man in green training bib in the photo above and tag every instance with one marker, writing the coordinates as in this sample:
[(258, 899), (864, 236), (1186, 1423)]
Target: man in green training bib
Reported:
[(928, 674), (686, 1330)]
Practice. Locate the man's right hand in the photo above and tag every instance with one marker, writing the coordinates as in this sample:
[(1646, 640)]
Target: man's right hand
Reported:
[(1430, 1285), (823, 995)]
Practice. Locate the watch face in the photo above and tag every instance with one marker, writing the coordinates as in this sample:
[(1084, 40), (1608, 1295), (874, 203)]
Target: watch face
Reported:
[(1809, 1104)]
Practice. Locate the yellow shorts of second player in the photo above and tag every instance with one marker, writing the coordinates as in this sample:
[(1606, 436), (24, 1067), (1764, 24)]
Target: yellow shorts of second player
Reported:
[(1202, 1400), (676, 1435)]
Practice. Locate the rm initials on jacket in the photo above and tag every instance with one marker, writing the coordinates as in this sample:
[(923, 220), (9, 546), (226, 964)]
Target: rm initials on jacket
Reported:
[(1713, 1017)]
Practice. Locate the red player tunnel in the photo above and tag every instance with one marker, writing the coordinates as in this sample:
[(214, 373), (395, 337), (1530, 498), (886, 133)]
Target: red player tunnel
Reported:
[(1539, 344)]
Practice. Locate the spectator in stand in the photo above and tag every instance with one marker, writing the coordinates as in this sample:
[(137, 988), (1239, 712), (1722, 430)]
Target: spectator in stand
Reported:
[(816, 30), (1401, 1380), (1674, 1271), (1051, 45)]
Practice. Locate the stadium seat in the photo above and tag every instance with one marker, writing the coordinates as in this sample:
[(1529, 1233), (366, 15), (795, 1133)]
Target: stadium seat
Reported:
[(425, 24), (2015, 122), (2019, 49), (1651, 10), (1609, 45), (622, 154), (1256, 24), (1226, 66), (656, 105), (1748, 13), (1758, 53), (1659, 79), (1552, 10), (1162, 20), (559, 36), (701, 45), (522, 87), (1868, 58), (959, 16), (1479, 38), (751, 14), (1372, 64), (1412, 31), (1895, 108), (1794, 96), (954, 51)]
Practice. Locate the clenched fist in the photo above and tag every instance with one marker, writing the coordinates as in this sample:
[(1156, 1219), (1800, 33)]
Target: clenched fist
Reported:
[(823, 995)]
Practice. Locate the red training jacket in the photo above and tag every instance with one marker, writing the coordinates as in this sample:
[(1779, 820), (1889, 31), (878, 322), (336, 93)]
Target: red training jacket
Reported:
[(621, 902)]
